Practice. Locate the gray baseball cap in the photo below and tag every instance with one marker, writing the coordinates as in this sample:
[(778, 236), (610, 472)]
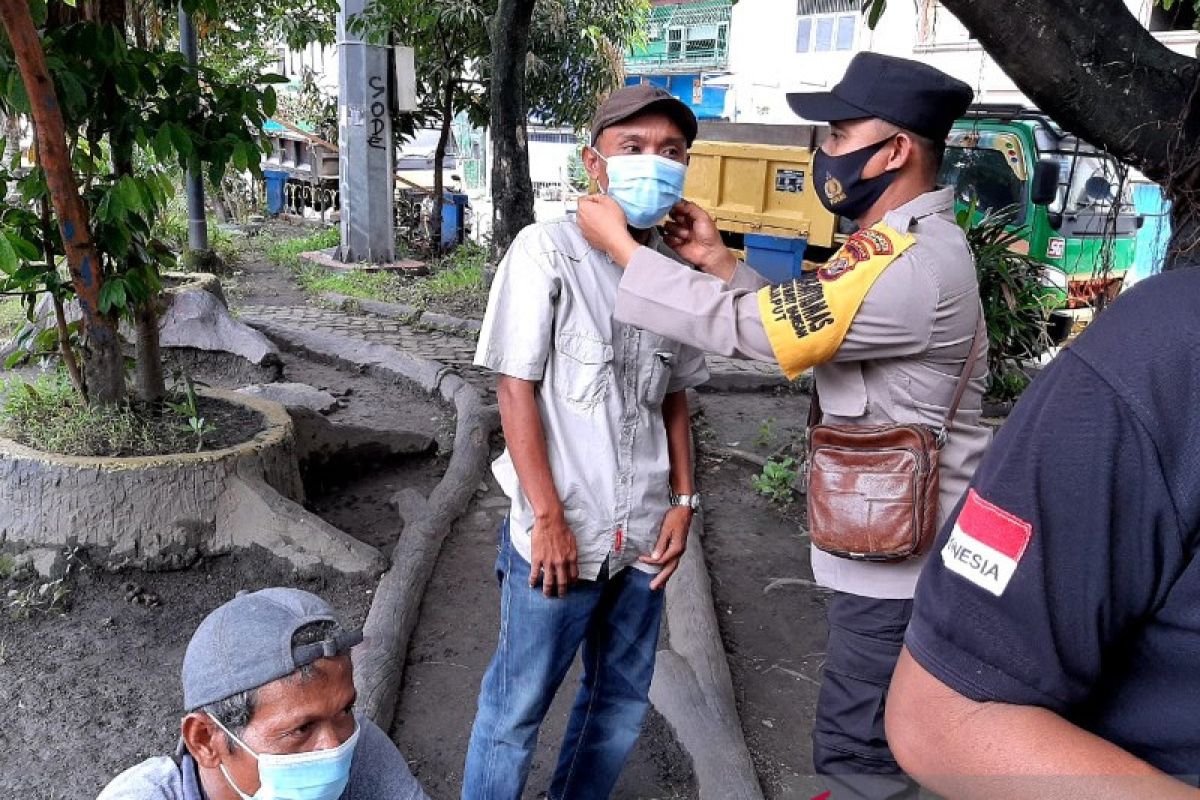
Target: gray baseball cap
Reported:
[(247, 643)]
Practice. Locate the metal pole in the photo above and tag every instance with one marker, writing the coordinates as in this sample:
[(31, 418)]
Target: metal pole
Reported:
[(367, 167), (194, 183)]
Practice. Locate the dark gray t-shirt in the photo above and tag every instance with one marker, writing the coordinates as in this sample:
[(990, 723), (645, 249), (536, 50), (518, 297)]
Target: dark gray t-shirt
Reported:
[(378, 772)]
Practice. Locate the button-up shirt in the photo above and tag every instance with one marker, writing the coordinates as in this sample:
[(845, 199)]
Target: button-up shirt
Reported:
[(899, 362), (600, 388)]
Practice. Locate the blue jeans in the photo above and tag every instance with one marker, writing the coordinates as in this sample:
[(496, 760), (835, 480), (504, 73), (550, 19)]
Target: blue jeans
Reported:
[(616, 619)]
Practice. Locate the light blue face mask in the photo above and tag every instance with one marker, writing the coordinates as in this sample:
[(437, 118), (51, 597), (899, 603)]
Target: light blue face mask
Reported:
[(645, 186), (316, 775)]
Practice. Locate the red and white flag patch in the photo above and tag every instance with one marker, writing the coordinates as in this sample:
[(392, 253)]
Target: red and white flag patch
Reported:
[(986, 544)]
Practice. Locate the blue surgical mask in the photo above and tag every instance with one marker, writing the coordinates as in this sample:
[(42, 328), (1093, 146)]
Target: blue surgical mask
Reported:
[(644, 186), (315, 775)]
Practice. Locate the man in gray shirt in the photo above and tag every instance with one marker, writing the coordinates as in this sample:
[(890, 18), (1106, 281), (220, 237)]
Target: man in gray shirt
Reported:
[(598, 468), (269, 690), (886, 325)]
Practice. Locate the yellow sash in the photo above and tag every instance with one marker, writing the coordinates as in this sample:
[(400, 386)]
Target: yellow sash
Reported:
[(807, 318)]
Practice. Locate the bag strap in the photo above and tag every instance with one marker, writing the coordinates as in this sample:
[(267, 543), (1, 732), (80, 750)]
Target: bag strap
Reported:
[(963, 380), (943, 433)]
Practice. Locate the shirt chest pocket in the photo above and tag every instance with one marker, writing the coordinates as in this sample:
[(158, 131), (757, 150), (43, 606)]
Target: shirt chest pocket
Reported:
[(582, 369), (659, 378)]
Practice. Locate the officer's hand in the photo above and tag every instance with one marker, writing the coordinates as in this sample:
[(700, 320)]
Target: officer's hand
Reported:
[(692, 233), (555, 558), (604, 226), (672, 542)]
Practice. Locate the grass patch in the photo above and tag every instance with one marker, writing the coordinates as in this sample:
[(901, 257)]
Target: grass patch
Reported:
[(456, 283), (286, 252), (366, 285), (48, 415)]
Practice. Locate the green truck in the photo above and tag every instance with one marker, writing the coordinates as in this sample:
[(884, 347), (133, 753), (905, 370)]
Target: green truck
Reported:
[(1072, 198)]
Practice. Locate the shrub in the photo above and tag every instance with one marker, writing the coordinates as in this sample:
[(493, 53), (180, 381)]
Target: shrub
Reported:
[(1015, 303)]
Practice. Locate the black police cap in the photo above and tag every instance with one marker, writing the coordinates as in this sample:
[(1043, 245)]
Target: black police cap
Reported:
[(907, 93)]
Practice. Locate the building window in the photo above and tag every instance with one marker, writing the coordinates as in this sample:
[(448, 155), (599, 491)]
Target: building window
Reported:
[(697, 41), (1181, 17), (826, 33), (824, 26)]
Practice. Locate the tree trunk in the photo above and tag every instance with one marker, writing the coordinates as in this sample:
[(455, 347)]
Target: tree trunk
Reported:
[(12, 137), (103, 366), (439, 182), (1111, 82), (66, 349), (151, 387), (512, 189), (137, 18)]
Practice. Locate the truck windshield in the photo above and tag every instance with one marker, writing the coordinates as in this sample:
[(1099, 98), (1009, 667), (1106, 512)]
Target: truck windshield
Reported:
[(983, 174), (1088, 181)]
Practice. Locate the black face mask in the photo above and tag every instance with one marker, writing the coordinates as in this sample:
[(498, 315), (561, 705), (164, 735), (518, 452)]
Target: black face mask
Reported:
[(840, 184)]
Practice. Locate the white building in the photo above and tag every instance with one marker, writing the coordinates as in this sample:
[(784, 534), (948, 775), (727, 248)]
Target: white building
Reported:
[(781, 46)]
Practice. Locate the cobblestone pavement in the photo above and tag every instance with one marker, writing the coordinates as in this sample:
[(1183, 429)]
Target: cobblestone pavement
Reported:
[(458, 351)]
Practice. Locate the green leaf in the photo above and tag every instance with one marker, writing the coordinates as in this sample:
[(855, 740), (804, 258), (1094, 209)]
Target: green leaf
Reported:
[(9, 262), (877, 9), (181, 140), (24, 248), (131, 198), (18, 98), (112, 295), (163, 148)]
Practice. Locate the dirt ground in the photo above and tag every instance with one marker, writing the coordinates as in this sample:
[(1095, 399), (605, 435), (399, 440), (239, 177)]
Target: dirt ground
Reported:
[(98, 686), (771, 615)]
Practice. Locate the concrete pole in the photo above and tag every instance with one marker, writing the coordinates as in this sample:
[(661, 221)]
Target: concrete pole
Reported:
[(367, 162), (197, 222)]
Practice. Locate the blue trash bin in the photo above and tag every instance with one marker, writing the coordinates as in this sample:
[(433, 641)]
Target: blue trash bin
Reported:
[(775, 258), (276, 181), (453, 218)]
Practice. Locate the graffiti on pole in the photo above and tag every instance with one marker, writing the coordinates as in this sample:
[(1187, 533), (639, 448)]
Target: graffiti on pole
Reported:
[(378, 112)]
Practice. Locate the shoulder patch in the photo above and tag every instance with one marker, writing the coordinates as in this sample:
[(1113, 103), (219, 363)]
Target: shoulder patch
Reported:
[(986, 545)]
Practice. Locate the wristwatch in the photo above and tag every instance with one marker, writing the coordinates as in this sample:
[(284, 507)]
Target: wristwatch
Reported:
[(692, 501)]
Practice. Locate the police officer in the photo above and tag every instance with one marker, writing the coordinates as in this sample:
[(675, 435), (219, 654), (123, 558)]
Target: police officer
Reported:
[(887, 325)]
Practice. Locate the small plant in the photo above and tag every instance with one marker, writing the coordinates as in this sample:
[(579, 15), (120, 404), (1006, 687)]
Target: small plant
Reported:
[(189, 408), (766, 433), (776, 479), (1016, 305), (8, 565), (44, 597)]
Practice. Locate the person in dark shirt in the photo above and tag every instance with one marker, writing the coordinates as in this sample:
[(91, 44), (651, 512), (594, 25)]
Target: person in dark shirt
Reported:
[(1054, 648)]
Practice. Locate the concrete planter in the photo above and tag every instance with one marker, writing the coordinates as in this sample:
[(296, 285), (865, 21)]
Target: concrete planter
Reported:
[(161, 509)]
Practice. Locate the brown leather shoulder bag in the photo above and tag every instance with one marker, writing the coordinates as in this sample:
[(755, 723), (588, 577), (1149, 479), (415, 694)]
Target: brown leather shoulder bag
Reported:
[(873, 489)]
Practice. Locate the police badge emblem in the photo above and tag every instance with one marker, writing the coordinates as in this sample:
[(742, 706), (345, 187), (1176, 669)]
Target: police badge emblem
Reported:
[(833, 190)]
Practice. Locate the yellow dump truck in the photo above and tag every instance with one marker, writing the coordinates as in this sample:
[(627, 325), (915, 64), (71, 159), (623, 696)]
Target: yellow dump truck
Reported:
[(756, 182)]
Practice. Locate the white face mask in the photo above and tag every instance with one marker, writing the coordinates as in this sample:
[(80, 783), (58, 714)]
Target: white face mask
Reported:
[(315, 775), (644, 186)]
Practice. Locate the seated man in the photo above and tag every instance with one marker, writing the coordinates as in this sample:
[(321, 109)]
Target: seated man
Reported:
[(598, 468), (269, 691), (1054, 649)]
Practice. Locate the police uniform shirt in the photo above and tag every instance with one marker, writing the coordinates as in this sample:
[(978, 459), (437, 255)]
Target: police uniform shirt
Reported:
[(1069, 578), (899, 362)]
